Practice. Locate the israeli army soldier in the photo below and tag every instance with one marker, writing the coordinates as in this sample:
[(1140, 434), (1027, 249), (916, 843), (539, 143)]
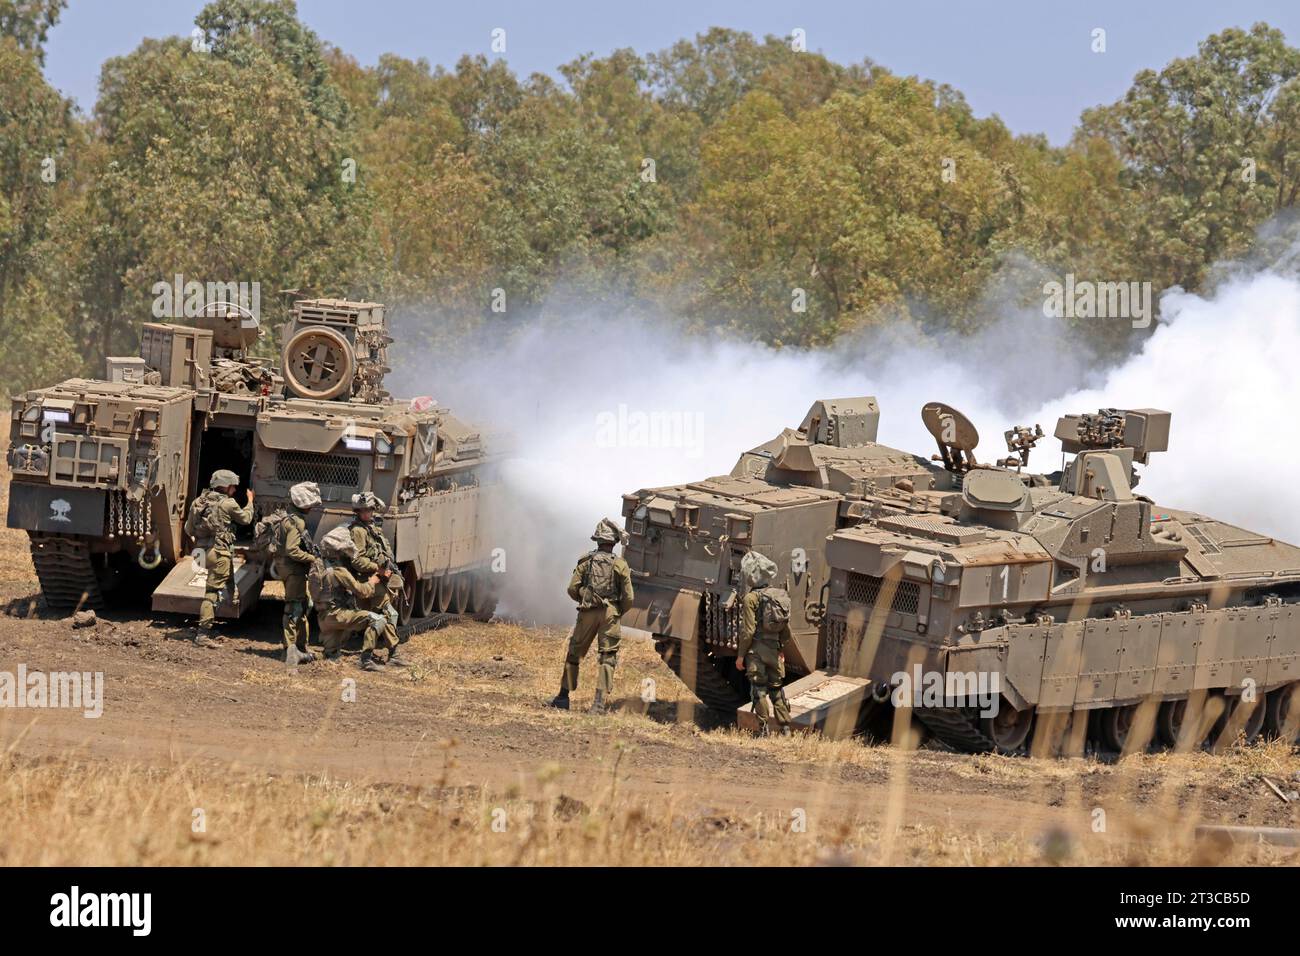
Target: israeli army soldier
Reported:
[(375, 556), (211, 523), (764, 631), (294, 554), (339, 599), (602, 586)]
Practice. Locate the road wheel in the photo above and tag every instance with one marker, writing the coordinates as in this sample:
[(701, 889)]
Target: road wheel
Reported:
[(1008, 728), (1282, 713), (406, 602), (427, 597), (1115, 725), (1171, 720), (446, 591), (463, 587)]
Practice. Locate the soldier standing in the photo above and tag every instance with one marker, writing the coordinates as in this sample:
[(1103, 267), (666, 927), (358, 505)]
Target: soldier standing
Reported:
[(294, 554), (375, 556), (602, 586), (210, 523), (764, 631), (338, 595)]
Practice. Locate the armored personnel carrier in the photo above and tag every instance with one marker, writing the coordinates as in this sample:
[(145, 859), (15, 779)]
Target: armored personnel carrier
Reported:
[(103, 470), (782, 499), (1081, 609)]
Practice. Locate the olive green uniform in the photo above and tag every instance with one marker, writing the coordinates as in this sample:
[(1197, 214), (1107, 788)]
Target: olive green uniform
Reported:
[(374, 554), (219, 559), (342, 616), (764, 663), (597, 616), (293, 560)]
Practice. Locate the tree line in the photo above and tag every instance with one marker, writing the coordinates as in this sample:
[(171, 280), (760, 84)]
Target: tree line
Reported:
[(737, 184)]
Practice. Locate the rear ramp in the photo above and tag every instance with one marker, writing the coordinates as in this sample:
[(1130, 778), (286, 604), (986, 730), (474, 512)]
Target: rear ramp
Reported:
[(822, 702), (182, 590)]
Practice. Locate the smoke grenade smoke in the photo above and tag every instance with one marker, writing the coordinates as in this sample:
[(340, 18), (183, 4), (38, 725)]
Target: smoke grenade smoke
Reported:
[(599, 406)]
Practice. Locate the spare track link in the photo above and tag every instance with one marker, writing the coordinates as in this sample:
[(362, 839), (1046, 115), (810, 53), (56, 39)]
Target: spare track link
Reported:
[(708, 684), (958, 727), (65, 571)]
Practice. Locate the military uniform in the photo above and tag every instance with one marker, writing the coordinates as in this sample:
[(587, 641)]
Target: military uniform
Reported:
[(374, 554), (294, 555), (342, 615), (599, 610), (218, 542), (764, 662)]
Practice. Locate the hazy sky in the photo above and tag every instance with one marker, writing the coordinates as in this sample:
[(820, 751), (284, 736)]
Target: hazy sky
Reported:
[(1029, 62)]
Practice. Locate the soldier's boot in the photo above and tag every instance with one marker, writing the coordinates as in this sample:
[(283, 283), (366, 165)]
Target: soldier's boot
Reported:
[(396, 658), (203, 638), (598, 705), (368, 662), (786, 731), (290, 654), (561, 700)]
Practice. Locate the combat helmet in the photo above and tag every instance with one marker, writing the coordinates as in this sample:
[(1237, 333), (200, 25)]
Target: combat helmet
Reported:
[(758, 569), (367, 501), (607, 532), (305, 495), (223, 478), (338, 543)]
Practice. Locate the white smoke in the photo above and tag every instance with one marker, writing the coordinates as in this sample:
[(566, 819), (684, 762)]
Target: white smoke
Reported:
[(580, 396)]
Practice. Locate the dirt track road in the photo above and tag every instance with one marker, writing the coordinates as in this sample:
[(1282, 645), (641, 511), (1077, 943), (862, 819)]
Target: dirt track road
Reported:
[(472, 714)]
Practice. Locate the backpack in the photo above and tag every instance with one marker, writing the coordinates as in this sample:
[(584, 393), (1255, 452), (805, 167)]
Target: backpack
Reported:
[(268, 535), (205, 519), (598, 583), (320, 584), (773, 610)]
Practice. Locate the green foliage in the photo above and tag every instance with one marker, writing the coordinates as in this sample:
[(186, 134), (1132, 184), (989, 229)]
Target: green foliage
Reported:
[(28, 23), (737, 183)]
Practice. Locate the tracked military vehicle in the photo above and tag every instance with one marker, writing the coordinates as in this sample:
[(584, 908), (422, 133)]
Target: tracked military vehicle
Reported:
[(782, 499), (103, 470), (1098, 614)]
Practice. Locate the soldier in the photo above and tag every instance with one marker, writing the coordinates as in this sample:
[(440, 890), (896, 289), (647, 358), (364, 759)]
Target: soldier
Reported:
[(210, 523), (375, 556), (294, 553), (602, 586), (764, 630), (338, 595)]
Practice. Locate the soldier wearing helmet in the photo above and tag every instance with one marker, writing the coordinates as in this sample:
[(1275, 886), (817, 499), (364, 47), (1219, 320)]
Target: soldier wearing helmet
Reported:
[(375, 556), (210, 523), (602, 586), (340, 598), (294, 553), (764, 631)]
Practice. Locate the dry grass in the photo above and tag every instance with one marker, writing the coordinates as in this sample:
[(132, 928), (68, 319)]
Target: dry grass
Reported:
[(70, 812)]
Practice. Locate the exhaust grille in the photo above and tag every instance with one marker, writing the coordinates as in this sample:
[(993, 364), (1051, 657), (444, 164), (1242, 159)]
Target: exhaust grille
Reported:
[(298, 466), (865, 589)]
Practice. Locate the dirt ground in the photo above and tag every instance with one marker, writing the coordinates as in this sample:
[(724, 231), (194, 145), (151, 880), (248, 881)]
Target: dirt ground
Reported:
[(227, 756)]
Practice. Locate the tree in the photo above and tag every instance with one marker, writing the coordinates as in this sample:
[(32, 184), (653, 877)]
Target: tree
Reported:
[(1204, 159), (28, 23)]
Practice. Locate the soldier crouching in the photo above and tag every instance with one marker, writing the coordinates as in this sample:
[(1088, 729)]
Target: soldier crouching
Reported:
[(375, 556), (602, 586), (337, 595)]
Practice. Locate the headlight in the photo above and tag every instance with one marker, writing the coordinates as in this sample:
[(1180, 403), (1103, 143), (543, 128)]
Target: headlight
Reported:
[(357, 444), (59, 415)]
